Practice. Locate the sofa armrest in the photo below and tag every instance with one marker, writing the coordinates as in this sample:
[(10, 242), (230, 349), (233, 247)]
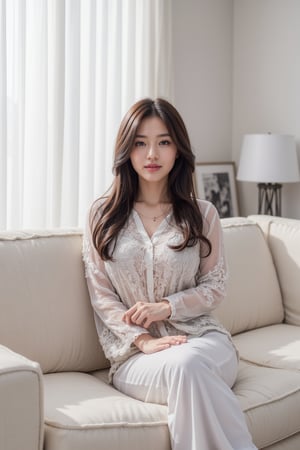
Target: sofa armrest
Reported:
[(21, 402)]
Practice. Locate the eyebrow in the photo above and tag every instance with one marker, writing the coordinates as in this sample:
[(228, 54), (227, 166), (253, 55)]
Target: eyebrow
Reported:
[(159, 135)]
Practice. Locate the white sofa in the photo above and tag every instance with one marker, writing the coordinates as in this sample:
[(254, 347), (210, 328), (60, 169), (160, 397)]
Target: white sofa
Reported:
[(53, 374)]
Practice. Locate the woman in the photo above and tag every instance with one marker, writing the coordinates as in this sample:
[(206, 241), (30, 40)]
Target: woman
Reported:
[(155, 270)]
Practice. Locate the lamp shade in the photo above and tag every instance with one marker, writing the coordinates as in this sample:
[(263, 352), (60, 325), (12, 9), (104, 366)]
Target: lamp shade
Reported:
[(268, 158)]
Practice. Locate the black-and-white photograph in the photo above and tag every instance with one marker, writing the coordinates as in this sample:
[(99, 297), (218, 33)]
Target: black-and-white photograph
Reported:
[(215, 182)]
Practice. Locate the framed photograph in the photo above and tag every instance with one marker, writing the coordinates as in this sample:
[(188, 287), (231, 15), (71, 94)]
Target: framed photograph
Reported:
[(216, 182)]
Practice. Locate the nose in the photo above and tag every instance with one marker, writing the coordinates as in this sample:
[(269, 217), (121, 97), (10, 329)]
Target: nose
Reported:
[(152, 152)]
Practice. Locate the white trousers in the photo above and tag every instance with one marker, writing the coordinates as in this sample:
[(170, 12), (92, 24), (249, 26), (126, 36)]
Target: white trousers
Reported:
[(194, 380)]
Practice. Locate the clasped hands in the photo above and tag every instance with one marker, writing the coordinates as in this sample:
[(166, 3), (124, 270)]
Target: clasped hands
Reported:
[(143, 314)]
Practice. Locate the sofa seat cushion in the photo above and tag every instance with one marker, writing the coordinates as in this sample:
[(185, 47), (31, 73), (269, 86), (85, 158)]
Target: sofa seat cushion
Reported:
[(266, 396), (84, 412), (276, 346)]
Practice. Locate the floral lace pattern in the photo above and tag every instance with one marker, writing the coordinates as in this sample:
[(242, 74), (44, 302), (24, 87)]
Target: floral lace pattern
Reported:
[(147, 269), (89, 264), (214, 280)]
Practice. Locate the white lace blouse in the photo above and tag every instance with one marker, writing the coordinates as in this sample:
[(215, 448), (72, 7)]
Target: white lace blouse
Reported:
[(147, 269)]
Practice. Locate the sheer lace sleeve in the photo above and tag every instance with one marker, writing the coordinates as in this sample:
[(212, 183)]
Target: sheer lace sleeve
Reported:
[(211, 276), (105, 300)]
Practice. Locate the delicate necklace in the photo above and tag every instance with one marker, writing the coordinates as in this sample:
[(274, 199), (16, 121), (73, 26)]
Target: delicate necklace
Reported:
[(154, 218)]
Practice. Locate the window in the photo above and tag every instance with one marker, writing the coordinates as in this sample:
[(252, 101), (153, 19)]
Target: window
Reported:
[(69, 71)]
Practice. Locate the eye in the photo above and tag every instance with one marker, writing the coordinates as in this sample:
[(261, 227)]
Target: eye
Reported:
[(139, 143), (165, 142)]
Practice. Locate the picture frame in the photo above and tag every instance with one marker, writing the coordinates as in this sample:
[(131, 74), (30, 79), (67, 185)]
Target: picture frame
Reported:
[(216, 182)]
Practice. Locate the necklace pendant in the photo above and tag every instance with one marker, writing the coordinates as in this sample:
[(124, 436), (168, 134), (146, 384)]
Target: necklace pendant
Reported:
[(154, 219)]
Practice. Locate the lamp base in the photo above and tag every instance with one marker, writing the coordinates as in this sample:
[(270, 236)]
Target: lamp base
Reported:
[(269, 199)]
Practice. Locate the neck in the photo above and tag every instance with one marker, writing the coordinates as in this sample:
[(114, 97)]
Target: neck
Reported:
[(152, 195)]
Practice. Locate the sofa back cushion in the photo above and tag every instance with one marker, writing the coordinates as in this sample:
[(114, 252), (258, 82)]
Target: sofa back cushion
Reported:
[(44, 302), (283, 236), (253, 293)]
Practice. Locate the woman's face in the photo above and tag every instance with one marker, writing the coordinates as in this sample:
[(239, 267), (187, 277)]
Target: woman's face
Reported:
[(154, 153)]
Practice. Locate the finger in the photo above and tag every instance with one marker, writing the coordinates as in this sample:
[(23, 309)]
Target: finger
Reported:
[(128, 314), (126, 319), (180, 338), (135, 316), (147, 322), (140, 320), (139, 316), (161, 347), (177, 340), (131, 310)]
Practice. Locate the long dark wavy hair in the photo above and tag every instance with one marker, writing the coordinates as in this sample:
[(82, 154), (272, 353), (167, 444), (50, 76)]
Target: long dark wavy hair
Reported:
[(117, 204)]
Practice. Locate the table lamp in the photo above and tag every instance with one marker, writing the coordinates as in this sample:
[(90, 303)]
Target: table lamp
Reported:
[(269, 160)]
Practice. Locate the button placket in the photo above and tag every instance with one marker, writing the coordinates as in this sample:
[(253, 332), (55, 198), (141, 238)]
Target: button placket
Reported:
[(150, 271)]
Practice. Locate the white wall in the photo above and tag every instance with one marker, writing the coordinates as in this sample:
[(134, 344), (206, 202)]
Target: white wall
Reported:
[(237, 71), (202, 54), (266, 83)]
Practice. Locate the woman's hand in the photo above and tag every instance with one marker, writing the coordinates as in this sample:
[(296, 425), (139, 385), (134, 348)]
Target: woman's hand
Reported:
[(144, 313), (148, 344)]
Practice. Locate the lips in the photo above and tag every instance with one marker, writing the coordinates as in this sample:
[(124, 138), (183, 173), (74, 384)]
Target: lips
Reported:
[(152, 166)]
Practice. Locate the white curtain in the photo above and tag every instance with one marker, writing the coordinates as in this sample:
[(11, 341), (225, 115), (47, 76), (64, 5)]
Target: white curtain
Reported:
[(69, 69)]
